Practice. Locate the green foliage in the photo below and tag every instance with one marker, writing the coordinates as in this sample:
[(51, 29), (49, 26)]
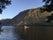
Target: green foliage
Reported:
[(49, 8), (3, 4), (48, 2)]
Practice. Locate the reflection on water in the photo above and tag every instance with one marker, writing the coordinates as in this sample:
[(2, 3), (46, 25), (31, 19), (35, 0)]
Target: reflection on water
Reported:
[(7, 33), (37, 33), (31, 33)]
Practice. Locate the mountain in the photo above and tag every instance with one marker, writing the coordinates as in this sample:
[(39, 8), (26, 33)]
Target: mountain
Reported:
[(31, 16), (5, 21)]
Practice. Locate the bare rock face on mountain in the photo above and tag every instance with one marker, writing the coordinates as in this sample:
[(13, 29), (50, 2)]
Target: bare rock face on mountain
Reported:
[(31, 16)]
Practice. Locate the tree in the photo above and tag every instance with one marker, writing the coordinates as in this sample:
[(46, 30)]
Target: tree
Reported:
[(49, 8), (3, 4), (48, 5), (50, 18), (48, 2)]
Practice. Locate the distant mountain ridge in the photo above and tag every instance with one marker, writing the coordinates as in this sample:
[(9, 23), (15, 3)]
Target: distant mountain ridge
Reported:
[(31, 16), (5, 21)]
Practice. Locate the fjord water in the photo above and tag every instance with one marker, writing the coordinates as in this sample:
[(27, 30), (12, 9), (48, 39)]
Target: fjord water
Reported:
[(8, 33), (38, 33), (32, 33)]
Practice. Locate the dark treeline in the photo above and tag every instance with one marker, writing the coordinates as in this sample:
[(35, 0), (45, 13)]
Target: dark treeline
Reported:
[(48, 7)]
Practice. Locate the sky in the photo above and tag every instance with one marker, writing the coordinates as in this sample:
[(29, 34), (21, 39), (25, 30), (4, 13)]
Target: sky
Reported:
[(18, 6)]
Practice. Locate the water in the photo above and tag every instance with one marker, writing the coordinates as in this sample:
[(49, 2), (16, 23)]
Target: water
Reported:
[(8, 33), (32, 33), (37, 33)]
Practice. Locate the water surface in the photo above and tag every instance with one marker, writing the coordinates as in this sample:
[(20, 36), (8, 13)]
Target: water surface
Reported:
[(8, 33), (32, 33), (37, 33)]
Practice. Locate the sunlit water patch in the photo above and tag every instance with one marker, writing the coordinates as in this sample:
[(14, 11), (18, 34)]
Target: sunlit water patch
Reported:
[(7, 33)]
